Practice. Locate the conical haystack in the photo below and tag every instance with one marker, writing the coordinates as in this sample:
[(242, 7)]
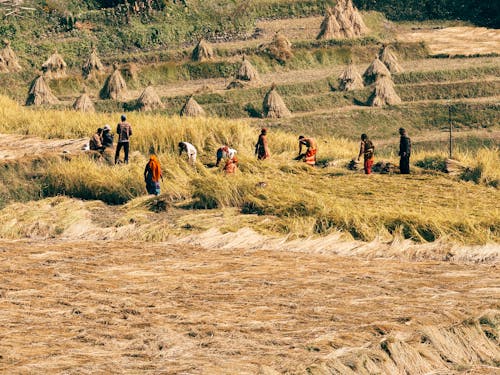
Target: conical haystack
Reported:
[(93, 66), (9, 58), (280, 48), (273, 105), (192, 109), (344, 21), (84, 103), (350, 79), (203, 51), (149, 100), (384, 93), (330, 27), (247, 72), (115, 86), (390, 60), (375, 70), (40, 94), (54, 67)]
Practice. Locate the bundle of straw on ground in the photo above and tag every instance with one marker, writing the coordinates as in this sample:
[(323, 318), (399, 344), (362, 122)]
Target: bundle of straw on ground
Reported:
[(247, 72), (203, 51), (374, 71), (9, 58), (330, 27), (350, 79), (274, 106), (115, 86), (40, 94), (130, 71), (390, 60), (149, 100), (280, 48), (55, 66), (93, 66), (384, 93), (84, 103), (192, 109), (344, 21), (358, 25), (455, 168)]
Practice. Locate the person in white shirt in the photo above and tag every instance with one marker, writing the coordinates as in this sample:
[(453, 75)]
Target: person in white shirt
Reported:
[(224, 152), (190, 150)]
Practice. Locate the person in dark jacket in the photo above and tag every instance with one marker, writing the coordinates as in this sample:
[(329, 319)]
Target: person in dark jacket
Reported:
[(261, 147), (107, 137), (404, 152), (124, 131)]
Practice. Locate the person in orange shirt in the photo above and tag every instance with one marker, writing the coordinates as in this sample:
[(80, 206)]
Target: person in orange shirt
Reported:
[(152, 175)]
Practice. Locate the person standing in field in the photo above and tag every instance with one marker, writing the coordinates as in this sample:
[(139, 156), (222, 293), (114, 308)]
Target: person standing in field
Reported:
[(309, 156), (190, 150), (404, 151), (152, 175), (225, 152), (95, 143), (367, 149), (261, 147), (124, 131)]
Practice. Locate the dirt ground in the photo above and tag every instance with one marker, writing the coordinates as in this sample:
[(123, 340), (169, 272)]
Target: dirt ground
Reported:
[(124, 307)]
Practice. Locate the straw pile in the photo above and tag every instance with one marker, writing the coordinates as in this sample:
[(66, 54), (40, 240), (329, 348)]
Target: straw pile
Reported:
[(273, 105), (192, 109), (93, 66), (280, 48), (130, 71), (149, 100), (203, 51), (84, 103), (390, 60), (115, 86), (374, 71), (455, 168), (55, 66), (350, 79), (247, 72), (384, 93), (9, 59), (40, 94), (344, 21), (3, 65)]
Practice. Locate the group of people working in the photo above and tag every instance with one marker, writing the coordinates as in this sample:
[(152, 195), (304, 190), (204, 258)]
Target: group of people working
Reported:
[(102, 140)]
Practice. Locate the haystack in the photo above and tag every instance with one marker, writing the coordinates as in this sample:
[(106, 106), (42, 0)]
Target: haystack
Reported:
[(93, 66), (115, 86), (384, 93), (454, 167), (350, 79), (149, 100), (344, 21), (375, 70), (9, 58), (130, 71), (280, 48), (203, 51), (40, 94), (54, 67), (390, 60), (273, 105), (330, 27), (192, 109), (247, 72), (84, 103), (358, 25)]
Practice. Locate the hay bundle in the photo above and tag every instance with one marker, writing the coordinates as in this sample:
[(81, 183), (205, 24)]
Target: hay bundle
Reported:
[(115, 86), (375, 70), (9, 58), (384, 167), (203, 51), (358, 25), (149, 100), (84, 103), (384, 93), (192, 108), (236, 84), (130, 71), (344, 21), (55, 66), (455, 168), (280, 48), (355, 165), (3, 65), (390, 60), (40, 94), (93, 66), (350, 79), (247, 72), (273, 105), (330, 27)]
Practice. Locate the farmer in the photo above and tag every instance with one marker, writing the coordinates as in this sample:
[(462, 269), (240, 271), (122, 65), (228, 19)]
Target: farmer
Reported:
[(152, 175), (309, 156), (367, 149), (124, 131), (190, 150), (225, 152), (404, 152), (231, 166), (107, 137), (261, 147), (95, 143)]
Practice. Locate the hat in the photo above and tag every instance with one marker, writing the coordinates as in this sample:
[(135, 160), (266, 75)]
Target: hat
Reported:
[(106, 127), (123, 117)]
